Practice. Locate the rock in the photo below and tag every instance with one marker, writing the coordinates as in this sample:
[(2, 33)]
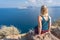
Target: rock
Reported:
[(56, 32), (1, 34), (9, 30), (48, 36), (13, 37)]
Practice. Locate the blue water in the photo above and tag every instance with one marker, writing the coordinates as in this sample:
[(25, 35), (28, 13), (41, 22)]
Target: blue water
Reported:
[(24, 19)]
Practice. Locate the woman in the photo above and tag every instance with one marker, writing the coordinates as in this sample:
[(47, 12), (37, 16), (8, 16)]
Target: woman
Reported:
[(44, 22)]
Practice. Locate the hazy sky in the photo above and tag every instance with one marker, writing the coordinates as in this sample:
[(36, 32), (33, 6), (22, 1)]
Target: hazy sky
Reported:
[(26, 3)]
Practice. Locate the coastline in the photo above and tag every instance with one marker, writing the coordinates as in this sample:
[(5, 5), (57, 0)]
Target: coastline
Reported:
[(12, 33), (24, 36)]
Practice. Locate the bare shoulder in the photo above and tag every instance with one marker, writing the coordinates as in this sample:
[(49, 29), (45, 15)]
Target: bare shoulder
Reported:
[(39, 17), (49, 17)]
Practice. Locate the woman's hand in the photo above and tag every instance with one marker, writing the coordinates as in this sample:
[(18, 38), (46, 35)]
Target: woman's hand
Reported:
[(39, 36), (49, 31)]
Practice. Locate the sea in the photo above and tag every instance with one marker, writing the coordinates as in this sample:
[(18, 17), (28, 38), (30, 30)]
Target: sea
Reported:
[(25, 19)]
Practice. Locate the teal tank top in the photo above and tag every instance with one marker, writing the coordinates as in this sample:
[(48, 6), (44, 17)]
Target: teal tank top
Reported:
[(45, 23)]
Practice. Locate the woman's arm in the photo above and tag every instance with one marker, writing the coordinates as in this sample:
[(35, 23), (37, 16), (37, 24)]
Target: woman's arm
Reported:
[(49, 24), (39, 24)]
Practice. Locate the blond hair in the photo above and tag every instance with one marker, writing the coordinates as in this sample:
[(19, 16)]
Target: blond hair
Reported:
[(44, 10)]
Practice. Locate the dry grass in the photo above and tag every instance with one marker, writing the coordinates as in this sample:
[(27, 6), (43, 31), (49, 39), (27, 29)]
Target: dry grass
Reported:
[(56, 28), (8, 30)]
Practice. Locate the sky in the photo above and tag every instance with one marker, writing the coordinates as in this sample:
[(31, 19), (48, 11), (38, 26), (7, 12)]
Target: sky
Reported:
[(26, 3)]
